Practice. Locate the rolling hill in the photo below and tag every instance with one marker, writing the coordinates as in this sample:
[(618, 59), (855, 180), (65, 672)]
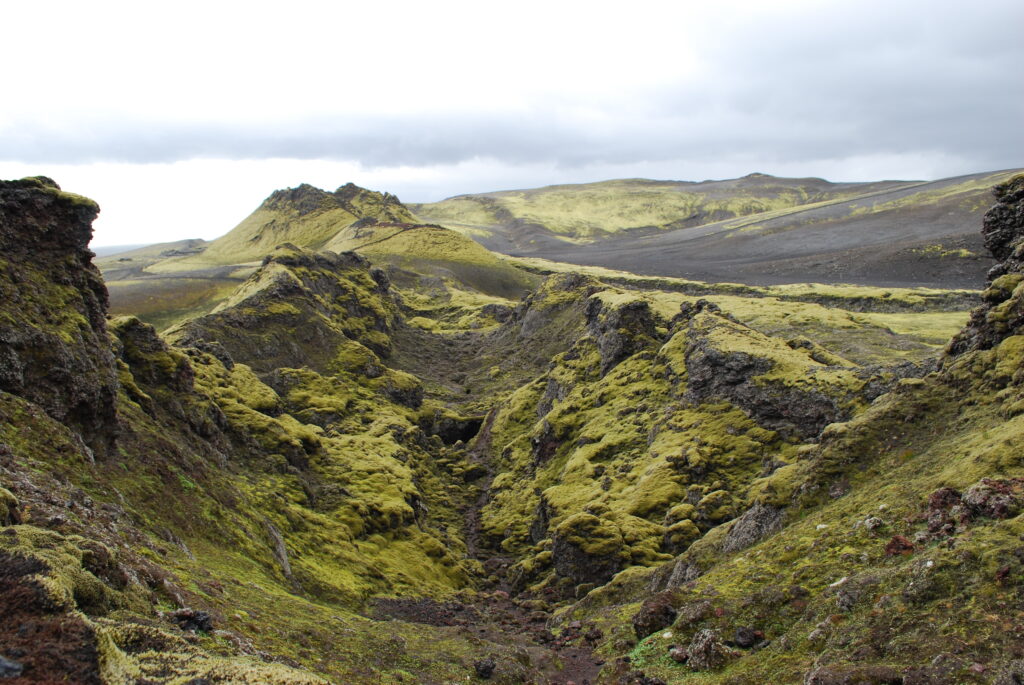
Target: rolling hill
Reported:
[(757, 229)]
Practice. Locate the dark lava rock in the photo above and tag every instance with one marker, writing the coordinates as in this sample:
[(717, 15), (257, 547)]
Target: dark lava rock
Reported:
[(941, 506), (1003, 225), (714, 374), (620, 331), (10, 669), (381, 278), (451, 428), (499, 312), (1003, 230), (745, 637), (587, 549), (707, 652), (544, 444), (54, 349), (192, 620), (943, 498), (484, 668), (898, 545), (754, 525), (656, 613)]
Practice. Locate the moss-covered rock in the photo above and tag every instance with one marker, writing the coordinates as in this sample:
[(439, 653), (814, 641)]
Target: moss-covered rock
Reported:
[(53, 341), (587, 549), (337, 432)]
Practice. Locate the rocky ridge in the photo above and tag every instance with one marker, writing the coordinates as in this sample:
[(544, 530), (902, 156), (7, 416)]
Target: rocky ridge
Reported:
[(631, 485)]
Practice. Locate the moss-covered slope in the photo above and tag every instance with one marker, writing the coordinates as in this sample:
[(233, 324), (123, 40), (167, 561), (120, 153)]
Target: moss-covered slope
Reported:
[(886, 551), (435, 251), (780, 485), (591, 209), (304, 216)]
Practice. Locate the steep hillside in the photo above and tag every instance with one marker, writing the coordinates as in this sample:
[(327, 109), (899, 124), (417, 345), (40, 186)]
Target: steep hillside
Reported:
[(305, 216), (367, 469), (168, 283), (887, 552), (756, 230)]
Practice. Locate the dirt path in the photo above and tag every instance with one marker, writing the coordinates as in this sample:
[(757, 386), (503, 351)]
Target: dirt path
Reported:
[(478, 454), (516, 625)]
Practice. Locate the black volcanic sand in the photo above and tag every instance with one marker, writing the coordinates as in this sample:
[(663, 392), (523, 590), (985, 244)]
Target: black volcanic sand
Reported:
[(823, 244)]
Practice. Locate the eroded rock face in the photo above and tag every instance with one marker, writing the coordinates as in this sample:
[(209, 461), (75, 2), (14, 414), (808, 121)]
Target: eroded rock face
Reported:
[(54, 349), (587, 549), (754, 525), (1002, 313), (620, 330), (740, 377)]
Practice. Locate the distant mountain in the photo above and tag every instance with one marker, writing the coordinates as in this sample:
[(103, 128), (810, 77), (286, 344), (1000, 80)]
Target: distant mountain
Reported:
[(756, 229), (589, 212), (107, 250)]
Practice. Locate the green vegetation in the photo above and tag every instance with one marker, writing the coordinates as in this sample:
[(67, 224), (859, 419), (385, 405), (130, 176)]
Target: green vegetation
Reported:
[(593, 209), (788, 474)]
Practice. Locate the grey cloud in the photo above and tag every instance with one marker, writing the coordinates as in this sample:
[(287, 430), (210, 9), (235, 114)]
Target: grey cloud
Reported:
[(911, 78)]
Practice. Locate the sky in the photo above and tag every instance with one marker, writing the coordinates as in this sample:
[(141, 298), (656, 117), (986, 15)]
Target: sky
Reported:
[(180, 118)]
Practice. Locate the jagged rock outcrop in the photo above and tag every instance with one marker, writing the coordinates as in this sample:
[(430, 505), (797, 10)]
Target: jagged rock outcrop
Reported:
[(782, 388), (361, 203), (54, 349), (297, 310), (620, 329), (587, 549), (1002, 313)]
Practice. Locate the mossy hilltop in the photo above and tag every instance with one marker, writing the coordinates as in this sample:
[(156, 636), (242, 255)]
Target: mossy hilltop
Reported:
[(758, 229), (420, 463)]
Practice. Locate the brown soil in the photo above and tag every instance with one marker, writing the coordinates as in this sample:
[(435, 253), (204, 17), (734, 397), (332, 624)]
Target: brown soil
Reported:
[(50, 645)]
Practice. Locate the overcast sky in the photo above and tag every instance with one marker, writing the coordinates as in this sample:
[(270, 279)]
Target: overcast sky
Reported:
[(179, 118)]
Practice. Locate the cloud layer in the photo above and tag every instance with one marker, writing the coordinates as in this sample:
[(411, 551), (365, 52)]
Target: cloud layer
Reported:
[(417, 93)]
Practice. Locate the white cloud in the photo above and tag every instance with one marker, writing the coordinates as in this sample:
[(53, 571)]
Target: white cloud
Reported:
[(179, 118)]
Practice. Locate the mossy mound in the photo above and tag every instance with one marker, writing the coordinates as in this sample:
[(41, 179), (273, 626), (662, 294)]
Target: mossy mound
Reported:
[(304, 216), (433, 250), (297, 310)]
